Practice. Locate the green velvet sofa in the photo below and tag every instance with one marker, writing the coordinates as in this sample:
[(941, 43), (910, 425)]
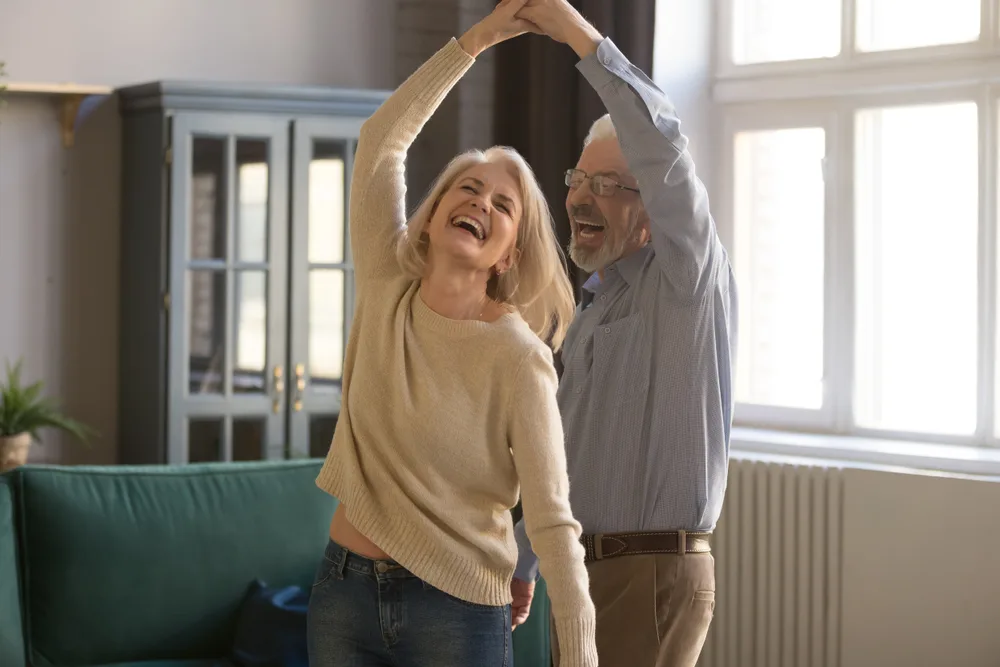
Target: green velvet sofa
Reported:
[(147, 566)]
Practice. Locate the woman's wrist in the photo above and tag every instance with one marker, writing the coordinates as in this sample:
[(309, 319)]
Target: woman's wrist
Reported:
[(472, 42)]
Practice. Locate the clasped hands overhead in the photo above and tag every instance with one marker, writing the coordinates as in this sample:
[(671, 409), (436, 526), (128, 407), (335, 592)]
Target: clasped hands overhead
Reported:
[(557, 19)]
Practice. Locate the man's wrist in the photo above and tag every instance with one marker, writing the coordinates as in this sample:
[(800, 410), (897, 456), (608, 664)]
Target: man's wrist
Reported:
[(584, 38)]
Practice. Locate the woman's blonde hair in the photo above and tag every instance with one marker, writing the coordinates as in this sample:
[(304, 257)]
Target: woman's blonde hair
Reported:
[(537, 284)]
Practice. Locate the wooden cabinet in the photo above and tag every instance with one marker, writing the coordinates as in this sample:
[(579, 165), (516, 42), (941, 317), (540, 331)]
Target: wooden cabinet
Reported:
[(237, 286)]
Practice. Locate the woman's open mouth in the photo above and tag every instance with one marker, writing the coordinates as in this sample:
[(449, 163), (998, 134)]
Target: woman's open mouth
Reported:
[(470, 225)]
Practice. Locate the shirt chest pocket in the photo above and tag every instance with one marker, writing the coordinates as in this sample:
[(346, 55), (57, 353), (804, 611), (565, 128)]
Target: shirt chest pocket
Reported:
[(621, 358)]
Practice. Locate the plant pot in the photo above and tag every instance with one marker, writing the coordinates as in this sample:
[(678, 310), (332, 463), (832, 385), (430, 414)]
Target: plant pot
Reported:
[(14, 451)]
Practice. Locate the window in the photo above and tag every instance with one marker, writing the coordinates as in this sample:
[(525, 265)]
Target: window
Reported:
[(859, 202), (778, 223), (772, 30), (769, 31), (916, 289), (903, 24)]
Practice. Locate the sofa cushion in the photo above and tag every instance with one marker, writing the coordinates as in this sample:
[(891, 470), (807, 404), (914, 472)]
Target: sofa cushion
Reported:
[(11, 639), (126, 564)]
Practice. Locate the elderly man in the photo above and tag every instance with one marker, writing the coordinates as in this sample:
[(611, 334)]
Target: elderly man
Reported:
[(646, 391)]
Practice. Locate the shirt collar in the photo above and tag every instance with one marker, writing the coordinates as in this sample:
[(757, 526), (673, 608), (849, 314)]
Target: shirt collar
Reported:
[(627, 266)]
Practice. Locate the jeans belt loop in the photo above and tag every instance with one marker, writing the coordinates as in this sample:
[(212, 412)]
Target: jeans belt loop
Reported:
[(681, 542), (341, 563)]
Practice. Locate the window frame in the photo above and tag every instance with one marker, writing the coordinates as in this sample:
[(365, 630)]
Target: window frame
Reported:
[(764, 119), (780, 95), (850, 59)]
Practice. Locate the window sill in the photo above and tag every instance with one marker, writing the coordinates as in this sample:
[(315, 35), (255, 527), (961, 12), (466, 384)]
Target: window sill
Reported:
[(848, 451)]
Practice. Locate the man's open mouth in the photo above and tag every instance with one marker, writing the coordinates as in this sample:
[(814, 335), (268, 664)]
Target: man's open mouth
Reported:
[(587, 229)]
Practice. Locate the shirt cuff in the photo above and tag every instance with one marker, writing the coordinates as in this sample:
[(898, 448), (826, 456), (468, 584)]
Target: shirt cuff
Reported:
[(604, 65), (527, 562)]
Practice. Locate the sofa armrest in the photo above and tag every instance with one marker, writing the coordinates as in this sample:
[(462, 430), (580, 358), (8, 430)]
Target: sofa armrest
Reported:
[(11, 629)]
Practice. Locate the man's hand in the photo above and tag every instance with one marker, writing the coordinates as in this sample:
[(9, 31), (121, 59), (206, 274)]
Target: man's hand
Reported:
[(522, 592), (559, 20), (500, 25)]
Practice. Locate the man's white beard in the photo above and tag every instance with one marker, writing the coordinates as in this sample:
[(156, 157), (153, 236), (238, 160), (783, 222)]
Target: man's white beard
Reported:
[(609, 252)]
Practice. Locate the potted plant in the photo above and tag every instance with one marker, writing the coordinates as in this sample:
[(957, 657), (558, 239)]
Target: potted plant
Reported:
[(23, 411)]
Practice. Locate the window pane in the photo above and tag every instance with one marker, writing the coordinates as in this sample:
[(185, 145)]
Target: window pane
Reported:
[(326, 203), (321, 428), (204, 440), (916, 264), (208, 198), (250, 331), (206, 300), (252, 197), (903, 24), (779, 228), (248, 439), (326, 326), (773, 30)]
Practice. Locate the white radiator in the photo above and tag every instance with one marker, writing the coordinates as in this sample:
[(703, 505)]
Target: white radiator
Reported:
[(778, 552)]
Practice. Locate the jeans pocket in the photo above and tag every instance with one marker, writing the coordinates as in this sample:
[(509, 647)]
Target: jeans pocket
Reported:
[(326, 570)]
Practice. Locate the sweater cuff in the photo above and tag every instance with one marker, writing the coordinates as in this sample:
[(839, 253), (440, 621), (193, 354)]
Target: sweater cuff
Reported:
[(577, 646)]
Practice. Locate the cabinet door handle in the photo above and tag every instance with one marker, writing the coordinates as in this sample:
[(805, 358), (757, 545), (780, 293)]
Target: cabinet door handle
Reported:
[(278, 385), (300, 386)]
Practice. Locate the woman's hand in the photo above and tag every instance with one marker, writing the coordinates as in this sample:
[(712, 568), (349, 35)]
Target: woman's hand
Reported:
[(501, 24), (562, 22)]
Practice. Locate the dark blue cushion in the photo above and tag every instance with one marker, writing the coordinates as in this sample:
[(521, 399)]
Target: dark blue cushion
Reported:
[(271, 631)]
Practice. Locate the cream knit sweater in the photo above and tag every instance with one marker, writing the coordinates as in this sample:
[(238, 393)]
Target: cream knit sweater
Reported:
[(444, 422)]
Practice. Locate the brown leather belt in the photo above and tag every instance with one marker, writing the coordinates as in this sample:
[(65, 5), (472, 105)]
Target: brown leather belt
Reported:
[(611, 545)]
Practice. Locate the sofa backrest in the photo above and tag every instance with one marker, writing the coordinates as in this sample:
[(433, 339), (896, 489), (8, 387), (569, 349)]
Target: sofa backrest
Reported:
[(130, 563), (11, 640)]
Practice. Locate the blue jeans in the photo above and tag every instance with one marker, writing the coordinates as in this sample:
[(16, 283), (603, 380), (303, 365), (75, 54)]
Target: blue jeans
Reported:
[(374, 613)]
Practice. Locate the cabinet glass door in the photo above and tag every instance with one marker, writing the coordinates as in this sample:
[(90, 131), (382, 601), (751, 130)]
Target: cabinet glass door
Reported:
[(322, 276), (228, 288)]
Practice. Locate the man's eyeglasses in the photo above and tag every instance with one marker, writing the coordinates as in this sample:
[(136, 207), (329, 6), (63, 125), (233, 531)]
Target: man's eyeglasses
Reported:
[(602, 186)]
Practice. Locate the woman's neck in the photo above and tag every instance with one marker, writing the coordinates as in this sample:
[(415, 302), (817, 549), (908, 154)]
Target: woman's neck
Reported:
[(457, 296)]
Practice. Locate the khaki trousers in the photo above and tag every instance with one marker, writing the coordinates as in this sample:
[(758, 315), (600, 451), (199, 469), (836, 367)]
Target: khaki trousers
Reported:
[(652, 610)]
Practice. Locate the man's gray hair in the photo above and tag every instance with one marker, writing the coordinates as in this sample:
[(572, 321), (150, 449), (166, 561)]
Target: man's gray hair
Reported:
[(602, 128)]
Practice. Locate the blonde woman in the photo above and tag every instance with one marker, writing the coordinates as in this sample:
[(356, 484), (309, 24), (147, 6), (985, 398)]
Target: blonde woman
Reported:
[(449, 403)]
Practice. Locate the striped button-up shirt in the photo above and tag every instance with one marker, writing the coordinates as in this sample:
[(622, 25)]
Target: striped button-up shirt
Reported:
[(646, 392)]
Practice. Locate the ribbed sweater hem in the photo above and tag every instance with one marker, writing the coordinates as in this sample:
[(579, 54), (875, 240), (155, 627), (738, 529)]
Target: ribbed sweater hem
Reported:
[(409, 546)]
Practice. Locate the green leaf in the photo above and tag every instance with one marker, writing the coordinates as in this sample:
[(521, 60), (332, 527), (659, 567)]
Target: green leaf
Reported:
[(25, 410)]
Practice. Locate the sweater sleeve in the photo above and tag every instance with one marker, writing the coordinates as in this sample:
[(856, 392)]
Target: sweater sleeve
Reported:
[(536, 439), (378, 189)]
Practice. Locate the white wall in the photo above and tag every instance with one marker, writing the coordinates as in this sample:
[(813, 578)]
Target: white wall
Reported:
[(325, 42), (59, 208), (683, 67), (921, 573)]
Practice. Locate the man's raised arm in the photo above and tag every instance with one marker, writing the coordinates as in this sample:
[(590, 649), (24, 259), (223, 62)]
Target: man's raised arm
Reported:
[(683, 232)]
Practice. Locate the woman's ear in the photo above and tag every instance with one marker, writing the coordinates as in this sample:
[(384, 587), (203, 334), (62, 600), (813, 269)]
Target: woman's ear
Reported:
[(508, 262)]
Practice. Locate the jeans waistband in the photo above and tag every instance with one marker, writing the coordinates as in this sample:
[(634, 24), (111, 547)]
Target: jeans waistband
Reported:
[(345, 559)]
